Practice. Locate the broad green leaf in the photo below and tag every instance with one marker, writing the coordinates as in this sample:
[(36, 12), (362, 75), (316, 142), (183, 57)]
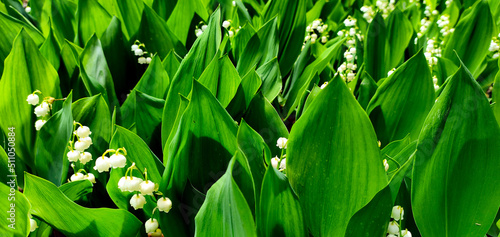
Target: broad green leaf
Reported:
[(241, 40), (300, 80), (95, 72), (201, 54), (472, 37), (69, 70), (264, 119), (164, 7), (157, 36), (225, 211), (92, 19), (51, 161), (402, 101), (145, 112), (367, 88), (444, 69), (333, 169), (292, 25), (256, 152), (222, 79), (76, 190), (16, 208), (182, 15), (155, 81), (399, 33), (129, 12), (6, 166), (458, 147), (247, 89), (50, 50), (280, 210), (52, 206), (496, 96), (9, 29), (374, 48), (26, 70), (59, 16), (171, 64), (198, 152), (271, 79)]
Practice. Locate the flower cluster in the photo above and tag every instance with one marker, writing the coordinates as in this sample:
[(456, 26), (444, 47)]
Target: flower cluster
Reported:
[(495, 46), (444, 24), (280, 161), (432, 51), (200, 28), (142, 188), (383, 6), (80, 142), (317, 30), (386, 165), (231, 31), (394, 230), (435, 82), (42, 110), (140, 51), (347, 70), (117, 160)]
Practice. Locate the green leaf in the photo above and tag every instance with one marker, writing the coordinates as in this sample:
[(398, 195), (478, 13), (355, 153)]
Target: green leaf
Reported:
[(271, 79), (51, 142), (222, 79), (171, 64), (145, 112), (77, 189), (50, 50), (26, 70), (6, 164), (201, 54), (15, 214), (344, 171), (52, 206), (182, 15), (458, 148), (129, 12), (374, 48), (95, 72), (155, 81), (247, 89), (59, 16), (472, 37), (157, 36), (496, 96), (9, 30), (93, 19), (366, 90), (262, 117), (399, 33), (402, 101), (225, 211), (280, 211)]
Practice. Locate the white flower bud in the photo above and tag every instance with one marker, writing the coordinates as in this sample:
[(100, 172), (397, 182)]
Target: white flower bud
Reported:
[(274, 161), (350, 76), (234, 3), (198, 32), (157, 233), (314, 36), (85, 157), (308, 29), (226, 24), (324, 85), (397, 213), (148, 60), (102, 164), (28, 9), (340, 33), (386, 165), (147, 187), (405, 233), (83, 131), (164, 204), (393, 228), (137, 201), (76, 177), (142, 60), (33, 225), (349, 57), (73, 156), (134, 47), (389, 73), (230, 33), (33, 99), (283, 164), (282, 142), (138, 52), (151, 225), (87, 141), (90, 177), (39, 124), (80, 146), (324, 39), (204, 27), (42, 110), (315, 24), (117, 161)]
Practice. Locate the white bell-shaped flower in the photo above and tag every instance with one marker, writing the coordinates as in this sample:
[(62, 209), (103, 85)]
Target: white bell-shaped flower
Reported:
[(134, 47), (73, 156), (135, 184), (87, 141), (80, 146), (33, 99), (42, 110), (90, 177), (393, 228), (85, 157), (147, 187), (282, 143), (142, 60), (138, 52), (137, 201), (33, 225), (76, 177), (283, 164), (117, 160), (405, 233), (151, 225), (102, 164), (39, 124), (83, 131), (164, 204), (397, 213), (386, 165), (275, 161), (226, 24)]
